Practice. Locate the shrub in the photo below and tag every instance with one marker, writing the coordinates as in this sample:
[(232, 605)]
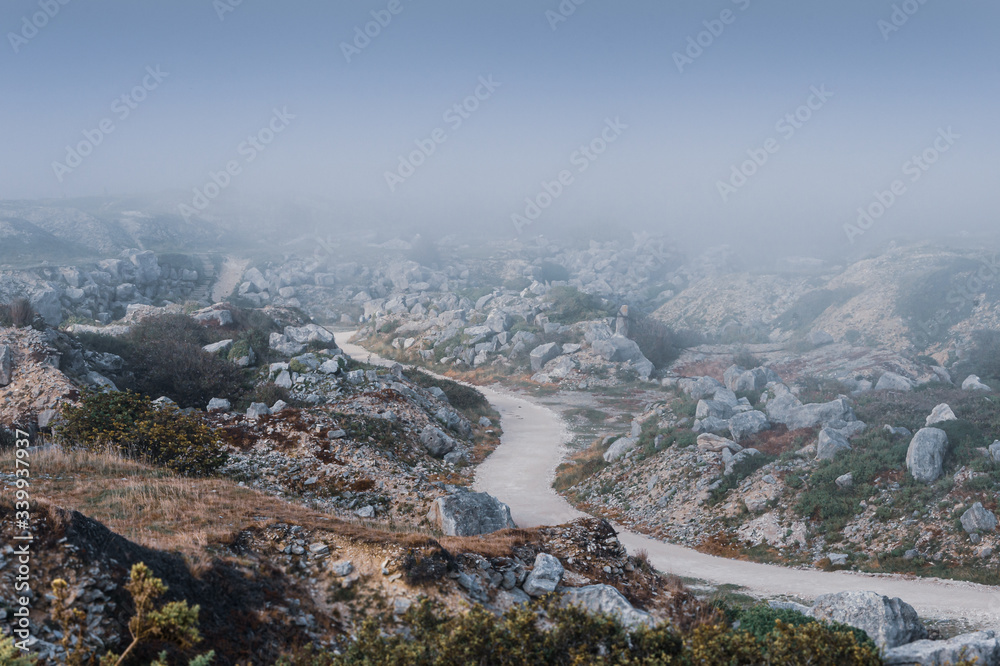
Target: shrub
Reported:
[(133, 425), (984, 356), (570, 305), (656, 340), (18, 313), (175, 623), (747, 359), (164, 357), (573, 636)]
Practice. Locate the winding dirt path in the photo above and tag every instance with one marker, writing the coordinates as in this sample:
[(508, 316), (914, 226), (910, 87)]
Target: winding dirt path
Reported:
[(520, 473), (229, 277)]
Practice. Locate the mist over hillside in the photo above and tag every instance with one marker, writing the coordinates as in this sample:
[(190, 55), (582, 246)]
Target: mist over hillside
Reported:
[(500, 333)]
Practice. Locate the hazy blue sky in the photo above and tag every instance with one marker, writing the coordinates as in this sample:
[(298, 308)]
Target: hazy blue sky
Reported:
[(679, 133)]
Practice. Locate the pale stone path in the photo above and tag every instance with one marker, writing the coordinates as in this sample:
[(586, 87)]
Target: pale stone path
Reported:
[(520, 473), (229, 277)]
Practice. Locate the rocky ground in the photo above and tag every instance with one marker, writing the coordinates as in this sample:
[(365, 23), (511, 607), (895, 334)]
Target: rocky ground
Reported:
[(804, 482)]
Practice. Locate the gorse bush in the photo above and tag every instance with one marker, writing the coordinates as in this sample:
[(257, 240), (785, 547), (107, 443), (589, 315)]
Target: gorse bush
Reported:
[(133, 425), (174, 623), (573, 636)]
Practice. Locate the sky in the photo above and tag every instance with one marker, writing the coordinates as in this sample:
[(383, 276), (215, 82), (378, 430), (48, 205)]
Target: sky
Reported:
[(813, 125)]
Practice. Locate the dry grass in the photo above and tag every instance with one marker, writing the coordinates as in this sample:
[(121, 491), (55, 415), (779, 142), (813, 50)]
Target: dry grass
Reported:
[(497, 544), (157, 509), (581, 466)]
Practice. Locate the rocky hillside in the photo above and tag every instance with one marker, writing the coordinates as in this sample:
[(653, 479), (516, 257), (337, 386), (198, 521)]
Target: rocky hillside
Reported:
[(909, 299), (898, 477)]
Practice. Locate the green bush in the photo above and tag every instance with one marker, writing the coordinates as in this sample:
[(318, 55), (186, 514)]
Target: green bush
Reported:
[(573, 636), (134, 426)]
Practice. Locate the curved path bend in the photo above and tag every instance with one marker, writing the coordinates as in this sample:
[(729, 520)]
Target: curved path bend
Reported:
[(520, 472)]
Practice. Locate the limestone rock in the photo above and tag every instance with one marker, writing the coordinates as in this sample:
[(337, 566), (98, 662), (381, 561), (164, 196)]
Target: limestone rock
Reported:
[(465, 513), (978, 519), (830, 444), (888, 622), (545, 577), (973, 383), (940, 414), (890, 381), (925, 454), (606, 599)]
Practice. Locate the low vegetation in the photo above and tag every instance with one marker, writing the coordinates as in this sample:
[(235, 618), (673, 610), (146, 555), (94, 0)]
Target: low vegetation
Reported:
[(573, 636), (135, 427)]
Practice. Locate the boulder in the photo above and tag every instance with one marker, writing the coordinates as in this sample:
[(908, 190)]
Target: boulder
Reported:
[(712, 425), (888, 622), (787, 409), (216, 317), (218, 405), (605, 599), (257, 410), (890, 381), (542, 354), (544, 577), (898, 432), (830, 443), (6, 365), (621, 446), (700, 387), (926, 454), (436, 441), (748, 424), (309, 333), (995, 451), (736, 458), (715, 444), (219, 347), (755, 380), (498, 321), (972, 383), (465, 513), (46, 303), (980, 647), (617, 349), (731, 375), (978, 519), (940, 414), (713, 409), (845, 481)]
